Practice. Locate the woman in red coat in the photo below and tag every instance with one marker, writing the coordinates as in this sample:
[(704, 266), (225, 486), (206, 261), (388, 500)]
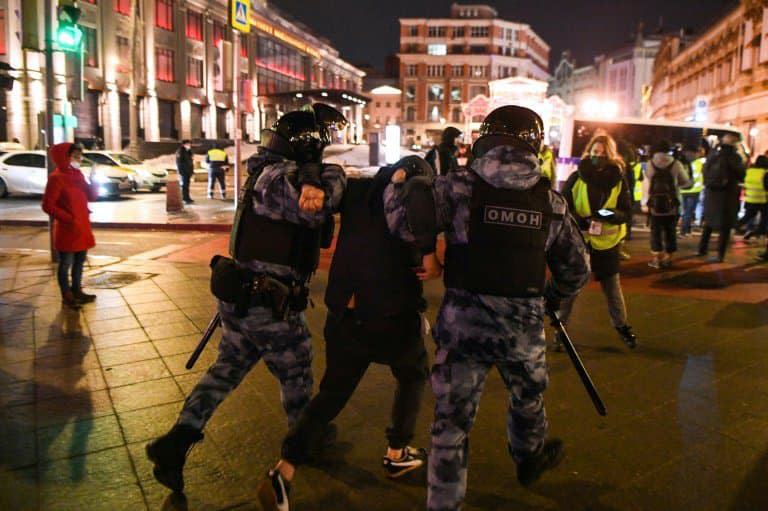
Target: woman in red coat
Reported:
[(66, 200)]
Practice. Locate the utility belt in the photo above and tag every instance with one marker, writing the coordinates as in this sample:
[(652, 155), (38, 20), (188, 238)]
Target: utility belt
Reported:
[(233, 284)]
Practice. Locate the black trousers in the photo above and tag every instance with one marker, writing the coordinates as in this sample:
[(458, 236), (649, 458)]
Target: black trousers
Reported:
[(185, 180), (664, 233), (722, 240), (351, 346), (751, 211)]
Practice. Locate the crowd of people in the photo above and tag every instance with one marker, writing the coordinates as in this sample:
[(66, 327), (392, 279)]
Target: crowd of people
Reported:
[(492, 313)]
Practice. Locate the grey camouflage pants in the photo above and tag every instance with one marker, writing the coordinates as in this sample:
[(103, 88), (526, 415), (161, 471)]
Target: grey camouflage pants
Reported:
[(474, 334), (285, 347)]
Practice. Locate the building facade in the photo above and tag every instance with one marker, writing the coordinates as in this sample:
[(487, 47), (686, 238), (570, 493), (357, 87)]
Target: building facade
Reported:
[(719, 77), (445, 62), (384, 109), (183, 65), (614, 84)]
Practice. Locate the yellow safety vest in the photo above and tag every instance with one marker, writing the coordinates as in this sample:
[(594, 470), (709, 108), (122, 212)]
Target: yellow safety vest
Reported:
[(637, 168), (548, 165), (611, 234), (697, 167), (753, 185), (217, 155)]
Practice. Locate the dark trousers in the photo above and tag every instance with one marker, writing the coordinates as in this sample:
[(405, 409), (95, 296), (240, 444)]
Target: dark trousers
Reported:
[(722, 241), (351, 346), (185, 180), (690, 201), (663, 233), (217, 176), (750, 212), (74, 261)]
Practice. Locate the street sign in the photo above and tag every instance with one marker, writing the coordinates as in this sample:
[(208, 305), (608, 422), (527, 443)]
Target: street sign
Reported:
[(240, 15)]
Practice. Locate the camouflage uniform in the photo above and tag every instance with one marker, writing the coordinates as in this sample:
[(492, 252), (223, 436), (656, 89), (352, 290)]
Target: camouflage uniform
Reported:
[(475, 332), (284, 345)]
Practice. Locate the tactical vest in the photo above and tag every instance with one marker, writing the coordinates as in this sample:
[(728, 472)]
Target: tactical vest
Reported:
[(753, 186), (611, 234), (697, 176), (505, 255), (370, 263), (256, 237)]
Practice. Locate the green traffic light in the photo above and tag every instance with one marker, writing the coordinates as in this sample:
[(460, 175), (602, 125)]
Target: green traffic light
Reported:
[(69, 37)]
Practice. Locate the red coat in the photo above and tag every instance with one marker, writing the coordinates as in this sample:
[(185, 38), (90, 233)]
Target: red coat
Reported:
[(66, 200)]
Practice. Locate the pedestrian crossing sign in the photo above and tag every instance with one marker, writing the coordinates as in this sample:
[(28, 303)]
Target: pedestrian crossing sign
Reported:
[(240, 15)]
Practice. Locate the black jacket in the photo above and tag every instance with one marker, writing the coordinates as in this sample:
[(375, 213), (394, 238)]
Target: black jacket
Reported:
[(184, 163), (600, 182), (721, 206), (443, 158)]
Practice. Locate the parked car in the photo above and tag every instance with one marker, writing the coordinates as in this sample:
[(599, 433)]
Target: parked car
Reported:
[(142, 175), (25, 172)]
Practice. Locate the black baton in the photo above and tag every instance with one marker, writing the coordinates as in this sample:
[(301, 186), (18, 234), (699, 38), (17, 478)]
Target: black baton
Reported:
[(577, 364), (215, 322)]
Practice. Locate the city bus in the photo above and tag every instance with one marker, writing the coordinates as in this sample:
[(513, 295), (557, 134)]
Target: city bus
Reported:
[(633, 132)]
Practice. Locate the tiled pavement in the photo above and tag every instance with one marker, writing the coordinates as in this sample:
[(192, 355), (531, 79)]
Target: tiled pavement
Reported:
[(80, 394)]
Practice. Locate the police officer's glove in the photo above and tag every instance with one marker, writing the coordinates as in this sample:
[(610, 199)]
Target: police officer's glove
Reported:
[(553, 303), (309, 174)]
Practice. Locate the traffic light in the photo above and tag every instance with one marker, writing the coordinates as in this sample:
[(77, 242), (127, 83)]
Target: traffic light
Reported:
[(69, 36)]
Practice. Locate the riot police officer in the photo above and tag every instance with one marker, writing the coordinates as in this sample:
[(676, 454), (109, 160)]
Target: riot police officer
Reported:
[(374, 299), (262, 292), (503, 227)]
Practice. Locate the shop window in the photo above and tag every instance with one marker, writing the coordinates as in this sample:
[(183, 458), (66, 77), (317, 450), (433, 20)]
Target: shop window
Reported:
[(164, 14), (194, 29), (164, 64)]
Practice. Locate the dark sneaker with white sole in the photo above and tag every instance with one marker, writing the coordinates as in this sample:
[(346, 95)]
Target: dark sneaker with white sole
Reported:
[(411, 460), (273, 492), (529, 470)]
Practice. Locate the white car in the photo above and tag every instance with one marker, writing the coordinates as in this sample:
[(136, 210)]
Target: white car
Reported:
[(143, 176), (24, 172)]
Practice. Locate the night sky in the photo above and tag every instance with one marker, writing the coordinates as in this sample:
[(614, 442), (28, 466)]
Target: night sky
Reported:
[(366, 31)]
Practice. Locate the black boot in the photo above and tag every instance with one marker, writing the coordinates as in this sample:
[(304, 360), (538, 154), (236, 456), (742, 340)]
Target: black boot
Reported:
[(530, 468), (559, 344), (83, 297), (169, 452), (629, 338)]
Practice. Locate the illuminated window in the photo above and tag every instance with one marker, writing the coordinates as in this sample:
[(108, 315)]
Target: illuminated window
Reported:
[(436, 92), (219, 32), (410, 93), (164, 64), (194, 29), (194, 72), (244, 45), (456, 94), (2, 32), (434, 113), (123, 6), (437, 49), (478, 31), (164, 14)]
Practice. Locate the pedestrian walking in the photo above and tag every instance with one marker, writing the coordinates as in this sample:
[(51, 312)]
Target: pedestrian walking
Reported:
[(756, 199), (218, 165), (599, 199), (724, 172), (503, 227), (375, 306), (443, 157), (664, 178), (185, 166), (66, 200), (261, 292), (692, 194)]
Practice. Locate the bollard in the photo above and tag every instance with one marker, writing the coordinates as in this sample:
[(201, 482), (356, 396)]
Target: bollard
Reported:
[(173, 202)]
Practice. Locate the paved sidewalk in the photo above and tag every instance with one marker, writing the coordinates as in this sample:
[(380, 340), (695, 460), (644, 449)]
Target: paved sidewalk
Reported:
[(81, 393)]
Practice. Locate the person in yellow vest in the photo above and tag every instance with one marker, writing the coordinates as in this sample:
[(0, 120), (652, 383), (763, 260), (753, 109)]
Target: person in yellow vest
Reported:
[(218, 165), (692, 195), (756, 198), (599, 198), (547, 158)]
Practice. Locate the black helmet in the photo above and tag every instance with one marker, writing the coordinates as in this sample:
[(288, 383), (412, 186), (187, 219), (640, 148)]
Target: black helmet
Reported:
[(449, 134), (510, 125), (302, 135), (414, 166)]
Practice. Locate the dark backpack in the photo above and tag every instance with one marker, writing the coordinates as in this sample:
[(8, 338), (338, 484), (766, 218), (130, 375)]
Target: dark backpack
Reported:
[(662, 195), (717, 172)]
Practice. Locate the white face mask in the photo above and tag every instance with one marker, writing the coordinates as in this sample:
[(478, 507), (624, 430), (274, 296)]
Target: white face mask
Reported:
[(75, 164)]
